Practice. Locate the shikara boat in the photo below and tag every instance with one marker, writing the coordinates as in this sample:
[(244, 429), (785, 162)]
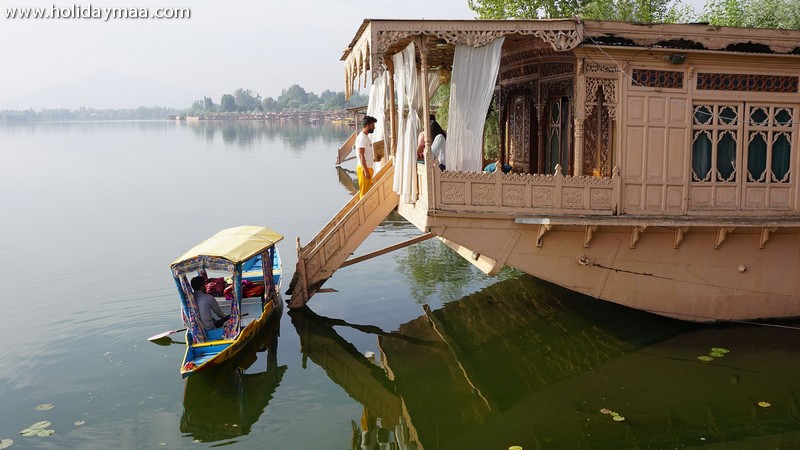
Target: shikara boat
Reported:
[(230, 253)]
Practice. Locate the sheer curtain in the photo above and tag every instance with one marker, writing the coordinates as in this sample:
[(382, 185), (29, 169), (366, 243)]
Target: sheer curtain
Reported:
[(471, 86), (377, 107), (406, 83)]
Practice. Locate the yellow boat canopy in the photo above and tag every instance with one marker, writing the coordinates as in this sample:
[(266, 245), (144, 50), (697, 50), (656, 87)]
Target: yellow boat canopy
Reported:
[(234, 244)]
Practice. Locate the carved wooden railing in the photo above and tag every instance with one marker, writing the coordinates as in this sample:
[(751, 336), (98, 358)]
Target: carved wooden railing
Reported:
[(526, 194), (341, 236)]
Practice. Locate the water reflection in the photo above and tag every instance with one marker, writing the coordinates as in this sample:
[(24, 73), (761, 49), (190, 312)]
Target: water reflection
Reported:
[(225, 401), (249, 133), (348, 179), (526, 363)]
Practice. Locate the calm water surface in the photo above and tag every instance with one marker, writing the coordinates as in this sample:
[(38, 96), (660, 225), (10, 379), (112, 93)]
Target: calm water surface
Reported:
[(93, 213)]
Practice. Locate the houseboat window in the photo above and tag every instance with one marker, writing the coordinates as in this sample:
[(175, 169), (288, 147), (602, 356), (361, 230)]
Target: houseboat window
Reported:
[(769, 144), (553, 137), (715, 143), (766, 151)]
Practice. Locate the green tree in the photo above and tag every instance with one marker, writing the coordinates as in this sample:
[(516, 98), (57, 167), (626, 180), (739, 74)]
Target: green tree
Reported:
[(208, 104), (246, 101), (525, 9), (228, 103), (270, 104), (648, 11), (626, 10), (753, 13)]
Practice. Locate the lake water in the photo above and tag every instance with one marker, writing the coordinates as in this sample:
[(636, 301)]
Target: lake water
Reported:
[(93, 213)]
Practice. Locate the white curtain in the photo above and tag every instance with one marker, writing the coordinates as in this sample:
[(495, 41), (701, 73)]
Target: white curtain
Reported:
[(471, 86), (377, 107), (407, 84)]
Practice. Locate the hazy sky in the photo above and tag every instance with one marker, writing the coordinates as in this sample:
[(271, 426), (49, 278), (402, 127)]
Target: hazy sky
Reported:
[(264, 45)]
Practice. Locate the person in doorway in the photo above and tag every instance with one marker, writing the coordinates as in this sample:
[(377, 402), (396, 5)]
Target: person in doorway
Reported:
[(439, 144), (206, 305), (421, 137), (366, 156)]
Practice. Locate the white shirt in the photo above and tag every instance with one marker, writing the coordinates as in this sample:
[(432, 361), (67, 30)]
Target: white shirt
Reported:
[(363, 141), (438, 149)]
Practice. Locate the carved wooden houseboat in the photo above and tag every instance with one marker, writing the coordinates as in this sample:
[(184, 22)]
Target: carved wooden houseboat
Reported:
[(654, 165)]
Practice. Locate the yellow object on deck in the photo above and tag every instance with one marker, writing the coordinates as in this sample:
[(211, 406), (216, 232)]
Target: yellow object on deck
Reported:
[(236, 244)]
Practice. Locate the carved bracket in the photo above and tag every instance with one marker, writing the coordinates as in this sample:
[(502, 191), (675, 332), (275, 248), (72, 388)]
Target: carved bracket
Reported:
[(765, 232), (722, 233), (680, 232), (636, 233), (543, 228), (590, 229)]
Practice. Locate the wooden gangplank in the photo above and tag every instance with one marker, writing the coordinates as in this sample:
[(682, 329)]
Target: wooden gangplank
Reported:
[(341, 236)]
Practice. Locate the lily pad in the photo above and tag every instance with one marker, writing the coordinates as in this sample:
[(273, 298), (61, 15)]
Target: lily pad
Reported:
[(5, 443), (40, 425), (605, 411), (45, 407), (79, 422), (764, 404), (45, 433), (720, 350), (705, 358), (717, 354), (618, 418), (28, 432)]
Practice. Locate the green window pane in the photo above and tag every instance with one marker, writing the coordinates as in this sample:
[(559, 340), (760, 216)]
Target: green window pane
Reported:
[(757, 157), (726, 157), (758, 116), (727, 115), (781, 155), (701, 157), (702, 115), (783, 117)]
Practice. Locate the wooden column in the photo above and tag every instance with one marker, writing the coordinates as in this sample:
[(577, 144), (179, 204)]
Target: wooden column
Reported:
[(392, 106), (580, 117), (422, 43)]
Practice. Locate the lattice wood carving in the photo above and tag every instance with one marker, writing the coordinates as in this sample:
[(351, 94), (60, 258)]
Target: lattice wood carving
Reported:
[(606, 86)]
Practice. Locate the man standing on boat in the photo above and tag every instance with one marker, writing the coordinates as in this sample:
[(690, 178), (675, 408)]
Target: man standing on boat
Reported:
[(365, 154), (206, 304)]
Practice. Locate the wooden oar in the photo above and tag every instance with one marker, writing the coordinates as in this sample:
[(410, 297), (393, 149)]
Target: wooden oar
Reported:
[(158, 336)]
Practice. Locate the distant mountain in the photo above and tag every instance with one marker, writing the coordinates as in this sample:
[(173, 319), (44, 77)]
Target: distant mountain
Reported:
[(106, 90)]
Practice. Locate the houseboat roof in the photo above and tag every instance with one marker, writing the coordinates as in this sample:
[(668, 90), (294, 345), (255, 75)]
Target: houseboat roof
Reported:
[(377, 38)]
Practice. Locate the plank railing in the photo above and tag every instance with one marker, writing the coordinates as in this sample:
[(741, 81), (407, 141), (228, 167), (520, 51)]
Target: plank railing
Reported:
[(346, 148), (341, 236)]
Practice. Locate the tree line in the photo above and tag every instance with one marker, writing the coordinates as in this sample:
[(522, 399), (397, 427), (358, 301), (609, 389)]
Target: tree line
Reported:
[(294, 98), (783, 14)]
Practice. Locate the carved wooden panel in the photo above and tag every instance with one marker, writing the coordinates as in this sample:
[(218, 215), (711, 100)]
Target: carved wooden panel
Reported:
[(453, 193), (747, 82), (483, 194), (519, 139), (657, 78)]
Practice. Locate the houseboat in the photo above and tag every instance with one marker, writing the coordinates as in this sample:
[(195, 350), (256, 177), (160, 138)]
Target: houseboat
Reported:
[(653, 165)]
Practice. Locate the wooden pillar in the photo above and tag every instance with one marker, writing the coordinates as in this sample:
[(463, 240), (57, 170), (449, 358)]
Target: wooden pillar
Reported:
[(580, 117), (392, 107), (422, 43)]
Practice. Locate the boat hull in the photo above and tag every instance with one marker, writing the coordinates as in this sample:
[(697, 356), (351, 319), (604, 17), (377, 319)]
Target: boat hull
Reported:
[(700, 274), (205, 355)]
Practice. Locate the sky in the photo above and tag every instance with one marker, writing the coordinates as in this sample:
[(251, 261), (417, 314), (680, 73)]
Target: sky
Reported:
[(262, 45)]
